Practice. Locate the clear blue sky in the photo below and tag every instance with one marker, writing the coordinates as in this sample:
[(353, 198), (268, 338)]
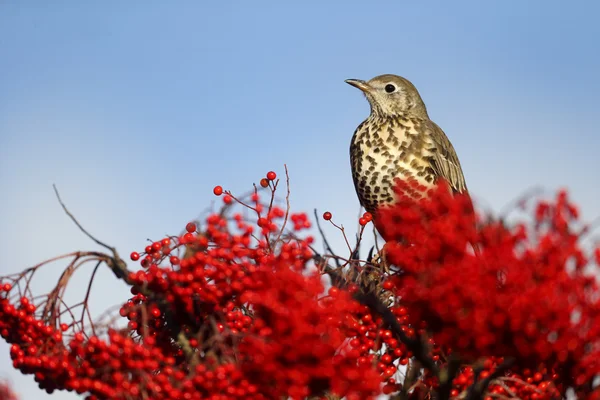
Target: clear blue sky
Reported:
[(136, 111)]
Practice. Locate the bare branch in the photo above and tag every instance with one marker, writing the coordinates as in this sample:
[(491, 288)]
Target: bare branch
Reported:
[(116, 263), (447, 376), (81, 228)]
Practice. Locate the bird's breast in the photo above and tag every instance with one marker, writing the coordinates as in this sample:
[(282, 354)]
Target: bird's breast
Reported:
[(382, 151)]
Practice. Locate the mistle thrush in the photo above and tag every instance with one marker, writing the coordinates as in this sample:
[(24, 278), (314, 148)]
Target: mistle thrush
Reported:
[(398, 140)]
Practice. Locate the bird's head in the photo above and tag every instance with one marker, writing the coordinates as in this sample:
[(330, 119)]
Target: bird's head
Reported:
[(391, 95)]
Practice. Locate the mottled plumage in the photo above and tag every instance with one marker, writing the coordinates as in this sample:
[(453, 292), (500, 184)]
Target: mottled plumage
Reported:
[(398, 140)]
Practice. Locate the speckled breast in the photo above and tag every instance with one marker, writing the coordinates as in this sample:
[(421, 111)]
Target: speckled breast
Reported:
[(384, 149)]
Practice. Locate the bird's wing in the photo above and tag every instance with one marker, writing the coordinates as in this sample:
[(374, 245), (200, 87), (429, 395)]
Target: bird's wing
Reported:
[(444, 159)]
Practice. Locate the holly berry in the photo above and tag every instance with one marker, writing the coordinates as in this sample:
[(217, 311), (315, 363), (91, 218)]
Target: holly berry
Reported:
[(134, 256), (264, 182), (218, 190), (271, 175), (327, 215)]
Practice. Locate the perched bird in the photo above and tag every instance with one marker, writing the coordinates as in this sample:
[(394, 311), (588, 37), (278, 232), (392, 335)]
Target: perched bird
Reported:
[(398, 140)]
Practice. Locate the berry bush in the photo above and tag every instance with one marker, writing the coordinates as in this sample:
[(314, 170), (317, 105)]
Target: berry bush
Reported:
[(242, 306)]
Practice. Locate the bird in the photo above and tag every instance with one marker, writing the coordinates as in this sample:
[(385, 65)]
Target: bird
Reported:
[(398, 140)]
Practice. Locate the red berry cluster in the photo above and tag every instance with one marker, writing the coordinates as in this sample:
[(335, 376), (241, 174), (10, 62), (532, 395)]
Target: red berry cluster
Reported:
[(300, 221), (524, 384), (230, 310), (497, 291), (365, 219), (376, 345), (216, 313), (295, 338)]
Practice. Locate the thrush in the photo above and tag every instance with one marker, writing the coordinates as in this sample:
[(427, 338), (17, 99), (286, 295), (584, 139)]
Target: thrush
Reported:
[(398, 141)]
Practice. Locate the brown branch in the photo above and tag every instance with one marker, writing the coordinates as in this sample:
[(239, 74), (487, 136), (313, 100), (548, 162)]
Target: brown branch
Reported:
[(412, 373), (87, 297), (447, 376), (115, 263), (416, 346), (77, 222)]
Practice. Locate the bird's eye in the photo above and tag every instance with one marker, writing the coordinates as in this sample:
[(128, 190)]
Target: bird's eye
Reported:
[(389, 88)]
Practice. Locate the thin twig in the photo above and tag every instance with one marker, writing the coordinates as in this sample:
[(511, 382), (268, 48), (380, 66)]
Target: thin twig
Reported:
[(87, 295), (116, 263), (287, 201), (325, 241), (98, 242)]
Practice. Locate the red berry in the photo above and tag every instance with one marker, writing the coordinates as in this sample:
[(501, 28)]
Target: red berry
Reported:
[(174, 260), (134, 256), (227, 199), (368, 216), (190, 227), (271, 175), (262, 222), (166, 241), (218, 190), (264, 182), (327, 215), (363, 221)]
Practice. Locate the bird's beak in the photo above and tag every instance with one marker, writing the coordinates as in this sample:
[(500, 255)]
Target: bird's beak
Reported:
[(357, 83)]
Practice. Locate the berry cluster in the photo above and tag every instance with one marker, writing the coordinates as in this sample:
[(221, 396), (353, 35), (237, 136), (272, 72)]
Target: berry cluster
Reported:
[(494, 291), (233, 308), (294, 343), (216, 312)]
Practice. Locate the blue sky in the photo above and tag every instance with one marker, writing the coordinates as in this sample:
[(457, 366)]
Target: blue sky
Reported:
[(137, 111)]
